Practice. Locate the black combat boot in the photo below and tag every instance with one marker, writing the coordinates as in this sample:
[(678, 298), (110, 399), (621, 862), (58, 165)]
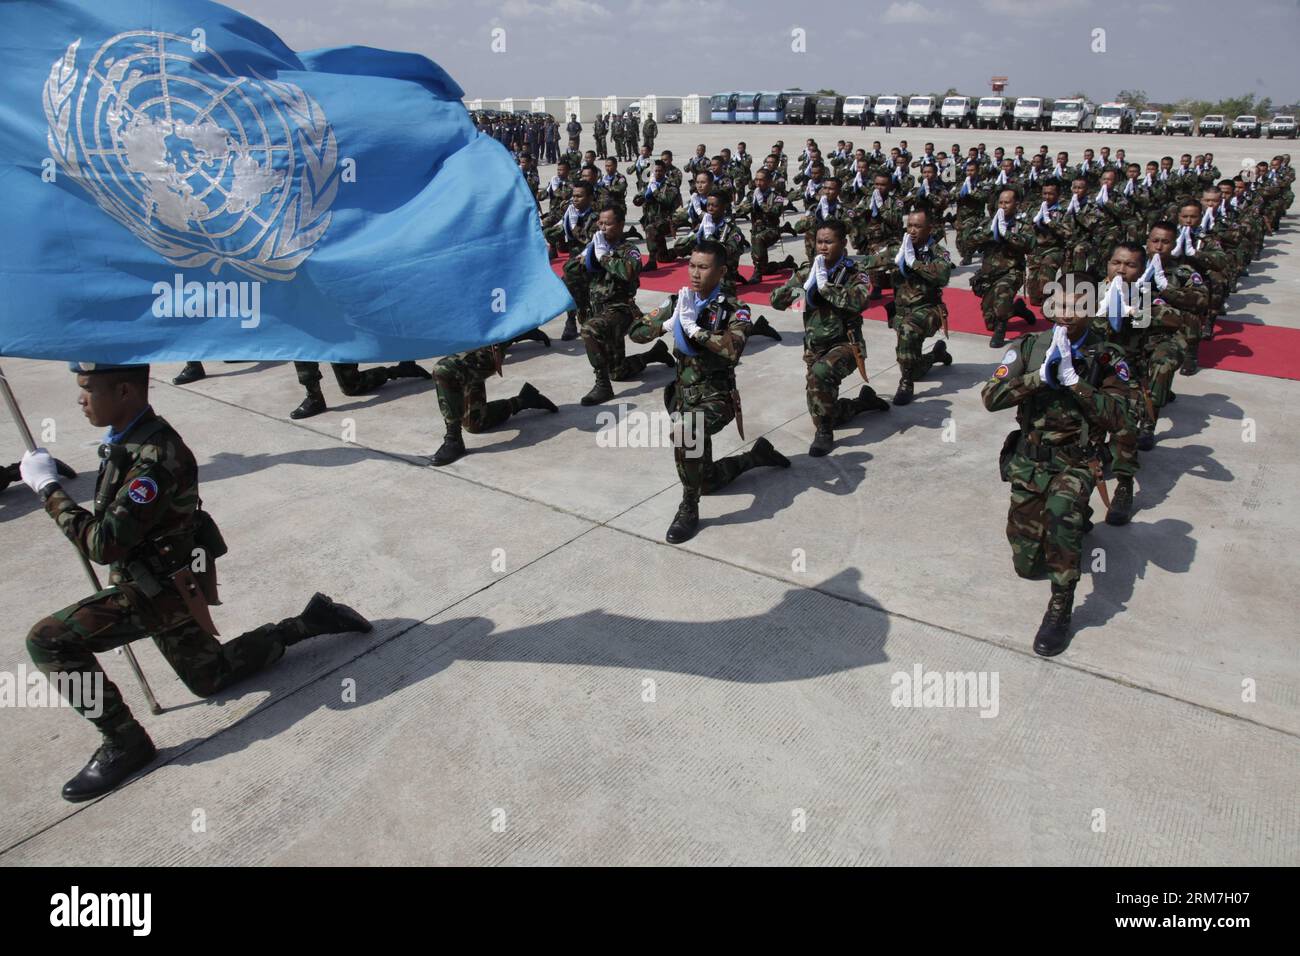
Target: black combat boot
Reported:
[(570, 327), (685, 523), (408, 370), (787, 229), (764, 328), (1121, 503), (662, 354), (631, 233), (602, 391), (875, 293), (529, 397), (869, 401), (192, 372), (1024, 312), (535, 335), (824, 440), (904, 393), (763, 455), (452, 447), (1146, 436), (313, 404), (1190, 364), (939, 354), (999, 335), (1054, 633), (124, 751), (10, 474), (323, 616)]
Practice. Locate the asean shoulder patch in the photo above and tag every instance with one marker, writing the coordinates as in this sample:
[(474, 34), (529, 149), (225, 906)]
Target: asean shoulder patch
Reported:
[(1121, 369), (142, 490), (1002, 371)]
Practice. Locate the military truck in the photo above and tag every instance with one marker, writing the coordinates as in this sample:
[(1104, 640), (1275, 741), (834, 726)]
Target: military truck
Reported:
[(994, 112)]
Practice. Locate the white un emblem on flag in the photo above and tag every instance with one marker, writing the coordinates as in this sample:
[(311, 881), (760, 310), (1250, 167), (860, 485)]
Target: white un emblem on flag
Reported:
[(204, 166)]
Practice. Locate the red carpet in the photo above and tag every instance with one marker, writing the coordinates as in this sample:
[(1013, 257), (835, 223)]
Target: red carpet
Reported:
[(1236, 347)]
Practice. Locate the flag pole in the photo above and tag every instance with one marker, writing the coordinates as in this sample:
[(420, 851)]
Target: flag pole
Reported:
[(26, 433)]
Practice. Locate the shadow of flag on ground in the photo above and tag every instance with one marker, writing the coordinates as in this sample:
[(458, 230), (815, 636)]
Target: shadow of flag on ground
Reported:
[(179, 184)]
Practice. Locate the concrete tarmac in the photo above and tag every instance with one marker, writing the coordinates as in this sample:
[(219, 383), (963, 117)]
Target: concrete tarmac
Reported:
[(549, 682)]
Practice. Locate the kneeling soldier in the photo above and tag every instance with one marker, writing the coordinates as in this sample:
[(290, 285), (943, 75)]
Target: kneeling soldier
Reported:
[(148, 526), (709, 329), (1069, 390), (462, 398)]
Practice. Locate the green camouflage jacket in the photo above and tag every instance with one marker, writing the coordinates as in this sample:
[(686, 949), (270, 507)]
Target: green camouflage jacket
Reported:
[(833, 314), (1007, 254), (724, 327), (615, 277), (147, 495), (922, 283)]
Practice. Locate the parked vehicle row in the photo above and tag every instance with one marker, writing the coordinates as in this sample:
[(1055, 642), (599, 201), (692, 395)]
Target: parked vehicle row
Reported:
[(987, 112)]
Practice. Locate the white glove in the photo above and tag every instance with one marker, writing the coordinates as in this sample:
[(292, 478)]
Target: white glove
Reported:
[(811, 282), (819, 272), (707, 224), (38, 469), (1158, 273), (999, 224), (685, 314), (908, 250), (1065, 371), (1042, 216), (824, 207), (602, 246)]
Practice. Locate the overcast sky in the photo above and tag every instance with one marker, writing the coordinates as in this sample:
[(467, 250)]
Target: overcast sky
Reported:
[(1206, 49)]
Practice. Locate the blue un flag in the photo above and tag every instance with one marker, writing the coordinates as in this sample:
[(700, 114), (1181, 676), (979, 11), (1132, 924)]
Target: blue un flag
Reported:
[(179, 184)]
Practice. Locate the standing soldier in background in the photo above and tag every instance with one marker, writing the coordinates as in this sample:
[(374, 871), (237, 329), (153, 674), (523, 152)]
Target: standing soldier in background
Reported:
[(149, 526), (919, 269), (600, 129), (574, 130), (835, 292), (1069, 390), (1003, 240), (648, 133), (613, 274)]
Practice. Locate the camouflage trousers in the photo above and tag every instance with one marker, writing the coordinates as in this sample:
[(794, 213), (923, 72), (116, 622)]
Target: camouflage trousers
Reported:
[(67, 641), (605, 336), (873, 247), (826, 370), (462, 395), (600, 147), (1045, 523), (1000, 297), (761, 241), (967, 246), (657, 234), (352, 381), (706, 410), (913, 326), (1042, 269), (1154, 363)]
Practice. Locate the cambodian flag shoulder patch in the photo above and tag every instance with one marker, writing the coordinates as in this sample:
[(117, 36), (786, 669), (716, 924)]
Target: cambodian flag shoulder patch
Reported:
[(1121, 369), (142, 490)]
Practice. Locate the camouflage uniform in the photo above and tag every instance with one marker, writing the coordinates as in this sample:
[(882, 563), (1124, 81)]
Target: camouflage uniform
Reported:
[(352, 381), (649, 131), (145, 525), (612, 191), (970, 208), (1048, 459), (809, 224), (1002, 269), (558, 195), (919, 311), (764, 214), (462, 395), (657, 208), (832, 322), (1046, 260), (874, 230), (731, 237), (612, 281), (573, 239), (705, 386)]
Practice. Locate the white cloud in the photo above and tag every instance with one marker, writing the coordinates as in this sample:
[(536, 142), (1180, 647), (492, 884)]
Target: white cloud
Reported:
[(909, 12), (553, 8), (1032, 8)]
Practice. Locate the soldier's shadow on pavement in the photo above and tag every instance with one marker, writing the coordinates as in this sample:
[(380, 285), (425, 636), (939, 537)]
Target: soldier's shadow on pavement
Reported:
[(225, 464), (1127, 552), (1191, 415), (389, 392), (788, 642), (1164, 467), (774, 490)]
